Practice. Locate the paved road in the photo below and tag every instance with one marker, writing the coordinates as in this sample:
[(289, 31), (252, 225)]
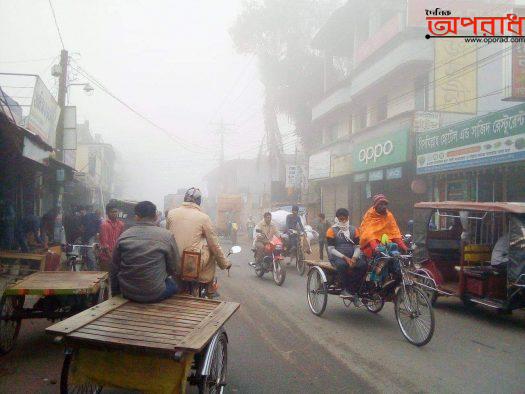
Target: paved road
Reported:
[(277, 345)]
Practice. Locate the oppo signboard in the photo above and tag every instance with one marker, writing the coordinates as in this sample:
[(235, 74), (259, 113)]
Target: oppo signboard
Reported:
[(386, 150)]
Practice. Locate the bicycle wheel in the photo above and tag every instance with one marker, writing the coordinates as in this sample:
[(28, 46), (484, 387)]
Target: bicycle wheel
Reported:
[(67, 387), (414, 315), (316, 292), (279, 274), (374, 304), (9, 327), (432, 295), (215, 381)]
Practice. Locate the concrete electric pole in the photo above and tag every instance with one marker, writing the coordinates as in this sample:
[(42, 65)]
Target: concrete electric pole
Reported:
[(62, 89)]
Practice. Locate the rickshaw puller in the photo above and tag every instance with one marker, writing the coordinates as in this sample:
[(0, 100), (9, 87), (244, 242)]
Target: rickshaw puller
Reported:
[(344, 253)]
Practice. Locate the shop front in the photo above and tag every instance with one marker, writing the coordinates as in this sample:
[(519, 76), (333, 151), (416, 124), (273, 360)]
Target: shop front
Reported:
[(480, 159), (381, 164)]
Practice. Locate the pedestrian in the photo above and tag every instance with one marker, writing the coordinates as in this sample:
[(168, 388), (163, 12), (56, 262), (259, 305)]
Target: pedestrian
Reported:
[(90, 228), (322, 227), (110, 230)]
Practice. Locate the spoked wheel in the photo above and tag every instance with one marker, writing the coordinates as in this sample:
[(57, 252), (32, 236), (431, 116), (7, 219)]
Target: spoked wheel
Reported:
[(299, 261), (259, 270), (414, 315), (66, 385), (432, 295), (215, 381), (279, 274), (9, 326), (317, 293), (374, 304)]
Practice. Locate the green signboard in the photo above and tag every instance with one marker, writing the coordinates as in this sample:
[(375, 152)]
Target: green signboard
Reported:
[(498, 137), (379, 152)]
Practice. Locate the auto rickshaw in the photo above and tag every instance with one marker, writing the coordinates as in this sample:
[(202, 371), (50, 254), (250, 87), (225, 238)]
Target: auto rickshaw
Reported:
[(471, 250)]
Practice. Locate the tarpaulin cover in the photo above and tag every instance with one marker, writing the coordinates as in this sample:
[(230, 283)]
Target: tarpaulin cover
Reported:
[(516, 248)]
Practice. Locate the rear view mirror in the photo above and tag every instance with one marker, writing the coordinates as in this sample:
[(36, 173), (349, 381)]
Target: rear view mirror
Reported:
[(235, 249)]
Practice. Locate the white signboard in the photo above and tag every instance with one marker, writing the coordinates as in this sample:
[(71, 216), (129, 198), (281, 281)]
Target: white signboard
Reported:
[(43, 114), (424, 121), (294, 175), (319, 165), (70, 128)]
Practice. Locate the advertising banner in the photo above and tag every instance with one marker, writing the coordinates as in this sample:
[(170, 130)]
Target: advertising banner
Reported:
[(319, 165), (425, 120), (294, 176), (43, 114), (379, 152), (455, 87), (498, 137), (341, 165)]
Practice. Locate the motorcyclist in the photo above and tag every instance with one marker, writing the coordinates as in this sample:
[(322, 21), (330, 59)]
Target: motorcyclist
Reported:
[(194, 232), (265, 230)]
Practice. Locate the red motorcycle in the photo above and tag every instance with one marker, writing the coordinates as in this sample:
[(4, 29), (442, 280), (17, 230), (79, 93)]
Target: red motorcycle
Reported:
[(272, 260)]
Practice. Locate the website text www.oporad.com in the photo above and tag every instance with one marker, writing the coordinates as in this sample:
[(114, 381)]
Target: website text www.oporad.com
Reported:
[(495, 39)]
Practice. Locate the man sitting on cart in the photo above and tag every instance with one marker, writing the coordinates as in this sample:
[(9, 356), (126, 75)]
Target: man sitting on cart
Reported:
[(344, 253), (145, 259), (378, 220)]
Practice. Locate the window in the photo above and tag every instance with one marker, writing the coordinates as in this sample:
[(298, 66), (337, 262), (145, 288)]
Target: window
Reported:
[(360, 119), (382, 107), (421, 96)]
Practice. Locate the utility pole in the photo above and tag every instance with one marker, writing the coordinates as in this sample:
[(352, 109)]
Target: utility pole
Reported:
[(222, 130), (62, 89)]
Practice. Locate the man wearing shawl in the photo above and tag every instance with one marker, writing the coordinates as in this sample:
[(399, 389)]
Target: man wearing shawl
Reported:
[(378, 220)]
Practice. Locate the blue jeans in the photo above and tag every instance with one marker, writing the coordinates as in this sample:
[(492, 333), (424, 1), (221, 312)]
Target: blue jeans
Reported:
[(171, 289)]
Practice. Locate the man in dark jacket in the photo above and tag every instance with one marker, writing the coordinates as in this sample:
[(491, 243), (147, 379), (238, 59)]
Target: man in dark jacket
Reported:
[(145, 260)]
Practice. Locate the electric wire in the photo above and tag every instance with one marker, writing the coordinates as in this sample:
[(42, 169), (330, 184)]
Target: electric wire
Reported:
[(56, 24)]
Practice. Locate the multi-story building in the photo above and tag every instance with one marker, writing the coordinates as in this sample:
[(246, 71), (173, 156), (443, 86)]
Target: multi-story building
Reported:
[(94, 164), (387, 88)]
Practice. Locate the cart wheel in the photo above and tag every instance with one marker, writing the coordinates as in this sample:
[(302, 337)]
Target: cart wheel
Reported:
[(279, 274), (9, 327), (215, 381), (66, 387), (299, 261), (414, 315), (375, 304), (316, 292), (432, 295)]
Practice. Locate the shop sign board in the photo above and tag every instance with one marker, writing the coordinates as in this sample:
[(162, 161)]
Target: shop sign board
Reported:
[(34, 152), (498, 137), (294, 176), (43, 114), (361, 177), (319, 165), (341, 165), (382, 151), (453, 91), (376, 175), (426, 120), (394, 173)]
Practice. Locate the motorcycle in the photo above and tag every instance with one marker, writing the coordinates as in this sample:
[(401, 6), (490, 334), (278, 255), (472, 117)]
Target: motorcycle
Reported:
[(272, 260)]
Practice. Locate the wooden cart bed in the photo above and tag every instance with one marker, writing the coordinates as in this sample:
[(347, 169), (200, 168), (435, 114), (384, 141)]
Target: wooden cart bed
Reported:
[(180, 323), (58, 283), (322, 264)]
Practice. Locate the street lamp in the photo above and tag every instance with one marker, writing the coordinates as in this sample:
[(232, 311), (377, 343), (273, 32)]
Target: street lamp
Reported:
[(87, 88)]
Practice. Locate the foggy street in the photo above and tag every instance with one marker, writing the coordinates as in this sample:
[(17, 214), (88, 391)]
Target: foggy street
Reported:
[(276, 345)]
